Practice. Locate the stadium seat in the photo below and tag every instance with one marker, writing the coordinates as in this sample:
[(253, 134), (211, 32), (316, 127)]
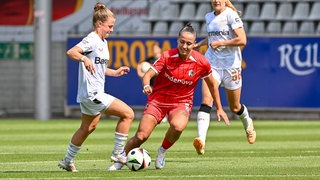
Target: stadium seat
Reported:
[(239, 7), (203, 29), (284, 11), (290, 28), (268, 10), (175, 28), (314, 14), (257, 28), (246, 26), (160, 28), (188, 11), (170, 12), (202, 10), (274, 27), (143, 29), (125, 28), (318, 29), (252, 12), (301, 11), (307, 27), (154, 12)]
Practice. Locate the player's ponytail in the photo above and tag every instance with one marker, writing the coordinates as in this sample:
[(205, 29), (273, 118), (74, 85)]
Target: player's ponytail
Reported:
[(230, 5), (188, 28), (100, 13)]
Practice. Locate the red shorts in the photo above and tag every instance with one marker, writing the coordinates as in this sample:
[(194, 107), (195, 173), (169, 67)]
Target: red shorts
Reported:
[(160, 110)]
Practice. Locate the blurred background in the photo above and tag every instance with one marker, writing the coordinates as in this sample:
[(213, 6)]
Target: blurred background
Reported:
[(281, 60)]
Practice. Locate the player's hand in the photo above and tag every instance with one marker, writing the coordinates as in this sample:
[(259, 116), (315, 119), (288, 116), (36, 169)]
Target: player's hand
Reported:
[(217, 45), (147, 89), (196, 47), (122, 71), (89, 66), (223, 115)]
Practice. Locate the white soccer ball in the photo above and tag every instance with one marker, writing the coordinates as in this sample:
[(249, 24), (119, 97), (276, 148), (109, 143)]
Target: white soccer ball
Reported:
[(138, 159), (145, 66)]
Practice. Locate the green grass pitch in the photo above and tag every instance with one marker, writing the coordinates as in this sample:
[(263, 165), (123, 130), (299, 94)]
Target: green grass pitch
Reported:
[(31, 149)]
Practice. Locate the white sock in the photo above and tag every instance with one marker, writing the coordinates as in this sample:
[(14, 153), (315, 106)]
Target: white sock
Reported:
[(72, 151), (245, 118), (119, 142), (203, 121), (162, 150)]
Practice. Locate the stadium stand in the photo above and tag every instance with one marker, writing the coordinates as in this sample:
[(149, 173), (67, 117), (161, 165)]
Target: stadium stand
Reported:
[(259, 17)]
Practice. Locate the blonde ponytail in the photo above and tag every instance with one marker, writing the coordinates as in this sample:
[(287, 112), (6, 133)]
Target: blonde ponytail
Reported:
[(100, 13), (230, 5)]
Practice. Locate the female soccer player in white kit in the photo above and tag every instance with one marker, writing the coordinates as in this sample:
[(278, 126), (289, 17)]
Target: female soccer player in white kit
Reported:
[(225, 35), (93, 55)]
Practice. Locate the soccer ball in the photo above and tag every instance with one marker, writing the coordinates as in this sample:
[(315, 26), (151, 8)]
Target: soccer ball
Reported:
[(145, 66), (138, 159)]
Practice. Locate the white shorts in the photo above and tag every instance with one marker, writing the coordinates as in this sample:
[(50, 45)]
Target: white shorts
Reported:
[(100, 102), (229, 78)]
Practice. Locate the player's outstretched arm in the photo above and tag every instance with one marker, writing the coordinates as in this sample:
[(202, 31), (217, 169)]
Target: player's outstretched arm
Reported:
[(117, 72)]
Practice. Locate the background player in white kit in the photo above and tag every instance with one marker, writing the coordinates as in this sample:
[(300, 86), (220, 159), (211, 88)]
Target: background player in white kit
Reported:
[(93, 54), (225, 35)]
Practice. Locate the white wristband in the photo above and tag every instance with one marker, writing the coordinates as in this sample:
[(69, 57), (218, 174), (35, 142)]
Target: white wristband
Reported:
[(146, 86), (82, 58)]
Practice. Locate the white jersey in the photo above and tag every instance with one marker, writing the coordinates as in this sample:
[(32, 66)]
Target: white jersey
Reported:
[(97, 51), (220, 28)]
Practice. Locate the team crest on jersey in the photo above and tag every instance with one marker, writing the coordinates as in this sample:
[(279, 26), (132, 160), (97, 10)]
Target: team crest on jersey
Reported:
[(100, 49), (85, 41), (191, 73), (146, 106)]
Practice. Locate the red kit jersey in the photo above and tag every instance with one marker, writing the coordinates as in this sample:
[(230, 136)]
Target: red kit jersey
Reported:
[(176, 78)]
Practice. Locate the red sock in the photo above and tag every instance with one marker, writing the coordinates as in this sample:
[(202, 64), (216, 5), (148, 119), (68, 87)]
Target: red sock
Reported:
[(166, 144)]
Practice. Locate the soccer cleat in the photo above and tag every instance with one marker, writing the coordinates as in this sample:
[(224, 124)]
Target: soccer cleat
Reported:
[(116, 166), (68, 166), (251, 133), (121, 157), (160, 159), (198, 145)]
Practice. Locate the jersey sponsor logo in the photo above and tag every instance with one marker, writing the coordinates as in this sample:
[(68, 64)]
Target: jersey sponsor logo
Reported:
[(170, 68), (300, 60), (218, 33), (98, 60), (191, 73), (175, 80)]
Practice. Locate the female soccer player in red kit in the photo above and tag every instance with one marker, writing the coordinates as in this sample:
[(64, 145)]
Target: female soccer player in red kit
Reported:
[(178, 72)]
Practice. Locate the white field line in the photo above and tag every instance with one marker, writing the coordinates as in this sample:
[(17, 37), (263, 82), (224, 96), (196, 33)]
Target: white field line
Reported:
[(169, 159), (185, 177)]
